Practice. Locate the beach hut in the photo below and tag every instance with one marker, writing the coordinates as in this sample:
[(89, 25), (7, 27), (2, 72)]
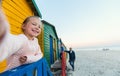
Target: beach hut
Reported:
[(16, 11), (50, 42)]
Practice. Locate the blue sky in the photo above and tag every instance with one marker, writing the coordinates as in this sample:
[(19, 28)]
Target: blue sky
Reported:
[(84, 23)]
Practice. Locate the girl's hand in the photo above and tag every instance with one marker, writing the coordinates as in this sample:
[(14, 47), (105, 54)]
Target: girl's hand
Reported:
[(23, 59)]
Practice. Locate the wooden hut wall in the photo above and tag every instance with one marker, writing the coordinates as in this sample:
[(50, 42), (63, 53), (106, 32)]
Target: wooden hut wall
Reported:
[(49, 31), (16, 11)]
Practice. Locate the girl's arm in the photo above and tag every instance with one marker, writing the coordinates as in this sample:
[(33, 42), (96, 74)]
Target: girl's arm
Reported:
[(34, 57), (4, 26), (4, 30), (3, 20)]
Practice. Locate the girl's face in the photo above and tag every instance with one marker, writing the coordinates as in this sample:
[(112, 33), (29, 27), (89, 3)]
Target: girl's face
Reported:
[(32, 28)]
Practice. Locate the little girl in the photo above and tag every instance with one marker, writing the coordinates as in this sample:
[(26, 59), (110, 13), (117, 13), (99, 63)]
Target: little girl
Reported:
[(21, 49), (30, 51)]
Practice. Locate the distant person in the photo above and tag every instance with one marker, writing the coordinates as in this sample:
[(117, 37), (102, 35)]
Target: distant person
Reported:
[(71, 57)]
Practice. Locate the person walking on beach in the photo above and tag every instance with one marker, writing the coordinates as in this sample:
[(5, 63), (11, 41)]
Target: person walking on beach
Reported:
[(71, 57)]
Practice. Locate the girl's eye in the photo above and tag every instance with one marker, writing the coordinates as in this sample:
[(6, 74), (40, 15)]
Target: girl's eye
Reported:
[(34, 24), (39, 26)]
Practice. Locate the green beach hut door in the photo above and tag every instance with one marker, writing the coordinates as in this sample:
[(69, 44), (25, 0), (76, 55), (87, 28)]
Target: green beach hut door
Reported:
[(51, 51)]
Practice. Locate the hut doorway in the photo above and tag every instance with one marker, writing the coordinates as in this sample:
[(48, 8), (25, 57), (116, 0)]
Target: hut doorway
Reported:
[(51, 51)]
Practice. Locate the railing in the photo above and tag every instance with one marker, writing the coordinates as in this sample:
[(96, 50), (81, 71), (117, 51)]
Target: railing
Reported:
[(39, 68)]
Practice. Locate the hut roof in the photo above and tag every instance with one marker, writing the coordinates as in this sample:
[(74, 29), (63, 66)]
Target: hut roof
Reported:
[(51, 26), (34, 7)]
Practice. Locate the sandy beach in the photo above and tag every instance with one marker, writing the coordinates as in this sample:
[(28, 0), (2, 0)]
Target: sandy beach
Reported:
[(97, 63)]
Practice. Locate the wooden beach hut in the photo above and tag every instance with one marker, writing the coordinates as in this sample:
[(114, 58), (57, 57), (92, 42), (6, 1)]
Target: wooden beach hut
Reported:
[(16, 11), (50, 42)]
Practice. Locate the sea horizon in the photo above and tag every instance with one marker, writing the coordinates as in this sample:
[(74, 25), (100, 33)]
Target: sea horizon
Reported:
[(104, 48)]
